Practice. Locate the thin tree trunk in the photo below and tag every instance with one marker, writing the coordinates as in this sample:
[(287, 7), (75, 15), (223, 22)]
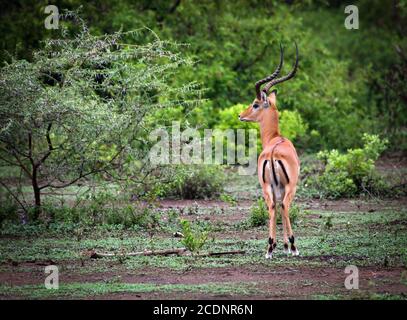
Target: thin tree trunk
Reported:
[(37, 194)]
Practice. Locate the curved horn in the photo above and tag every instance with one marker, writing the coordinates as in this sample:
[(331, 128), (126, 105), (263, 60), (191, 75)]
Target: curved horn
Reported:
[(287, 77), (270, 77)]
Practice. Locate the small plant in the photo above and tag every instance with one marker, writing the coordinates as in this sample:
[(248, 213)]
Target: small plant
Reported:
[(295, 213), (193, 240), (228, 198), (328, 223), (259, 214)]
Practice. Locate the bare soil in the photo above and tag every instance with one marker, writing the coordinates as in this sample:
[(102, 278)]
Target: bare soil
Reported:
[(271, 283)]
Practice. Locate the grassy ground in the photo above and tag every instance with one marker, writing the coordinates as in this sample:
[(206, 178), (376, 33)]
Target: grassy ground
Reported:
[(370, 234)]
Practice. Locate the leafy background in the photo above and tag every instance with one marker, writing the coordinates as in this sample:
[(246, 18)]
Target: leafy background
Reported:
[(350, 82)]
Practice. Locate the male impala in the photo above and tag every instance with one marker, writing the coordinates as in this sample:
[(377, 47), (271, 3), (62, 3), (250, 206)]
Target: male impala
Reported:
[(278, 164)]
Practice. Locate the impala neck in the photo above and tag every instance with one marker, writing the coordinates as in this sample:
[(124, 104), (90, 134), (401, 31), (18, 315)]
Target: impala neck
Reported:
[(269, 126)]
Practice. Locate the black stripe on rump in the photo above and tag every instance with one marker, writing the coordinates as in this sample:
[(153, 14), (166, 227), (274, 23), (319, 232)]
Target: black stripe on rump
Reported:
[(285, 172), (264, 167)]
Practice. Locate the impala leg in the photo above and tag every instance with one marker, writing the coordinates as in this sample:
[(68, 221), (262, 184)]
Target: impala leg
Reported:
[(268, 197), (285, 233), (286, 217)]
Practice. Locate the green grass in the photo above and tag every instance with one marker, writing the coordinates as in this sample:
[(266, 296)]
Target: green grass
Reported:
[(325, 239), (80, 290), (359, 295), (365, 239)]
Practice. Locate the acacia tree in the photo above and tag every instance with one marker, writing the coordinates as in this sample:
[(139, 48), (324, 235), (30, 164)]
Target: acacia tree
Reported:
[(78, 108)]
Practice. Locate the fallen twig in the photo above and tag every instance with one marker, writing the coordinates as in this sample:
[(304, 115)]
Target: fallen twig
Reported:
[(207, 254), (96, 255), (178, 251)]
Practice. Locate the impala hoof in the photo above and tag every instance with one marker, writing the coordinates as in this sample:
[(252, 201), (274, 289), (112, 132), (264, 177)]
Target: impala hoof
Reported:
[(287, 251), (269, 255), (295, 253)]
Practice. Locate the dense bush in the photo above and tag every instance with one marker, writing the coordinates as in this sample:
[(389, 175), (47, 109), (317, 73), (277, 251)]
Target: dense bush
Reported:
[(78, 108), (351, 173), (185, 182), (349, 82), (8, 208), (197, 182)]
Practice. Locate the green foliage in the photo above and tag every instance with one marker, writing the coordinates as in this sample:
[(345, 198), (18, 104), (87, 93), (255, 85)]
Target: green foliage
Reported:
[(98, 207), (228, 118), (292, 125), (129, 216), (228, 198), (295, 213), (353, 172), (193, 239), (8, 208), (348, 82), (259, 214), (79, 107)]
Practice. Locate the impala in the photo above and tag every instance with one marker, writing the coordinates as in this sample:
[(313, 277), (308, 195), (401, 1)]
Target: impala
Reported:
[(278, 164)]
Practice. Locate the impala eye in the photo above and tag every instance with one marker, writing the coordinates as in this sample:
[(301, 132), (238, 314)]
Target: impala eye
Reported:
[(255, 106)]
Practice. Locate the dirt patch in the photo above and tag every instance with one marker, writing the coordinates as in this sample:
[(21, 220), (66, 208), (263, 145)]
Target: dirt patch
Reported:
[(262, 282)]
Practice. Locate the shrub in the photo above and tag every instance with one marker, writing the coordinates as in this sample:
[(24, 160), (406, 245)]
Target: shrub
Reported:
[(132, 216), (352, 173), (99, 87), (259, 214), (188, 182), (8, 209), (193, 239), (102, 207)]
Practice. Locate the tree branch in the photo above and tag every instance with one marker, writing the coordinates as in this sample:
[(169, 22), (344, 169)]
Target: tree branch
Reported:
[(13, 195), (50, 147)]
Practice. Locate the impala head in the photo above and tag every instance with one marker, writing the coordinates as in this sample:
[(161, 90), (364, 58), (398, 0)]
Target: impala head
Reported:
[(265, 101)]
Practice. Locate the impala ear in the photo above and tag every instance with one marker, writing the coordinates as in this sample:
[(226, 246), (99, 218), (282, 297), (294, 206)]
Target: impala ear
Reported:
[(264, 99), (273, 97)]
